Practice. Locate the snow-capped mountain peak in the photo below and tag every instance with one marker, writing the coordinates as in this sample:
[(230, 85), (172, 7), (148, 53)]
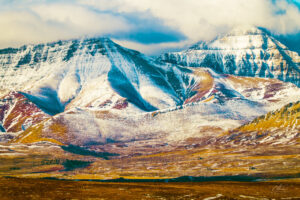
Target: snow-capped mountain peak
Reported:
[(58, 73), (241, 37), (244, 51)]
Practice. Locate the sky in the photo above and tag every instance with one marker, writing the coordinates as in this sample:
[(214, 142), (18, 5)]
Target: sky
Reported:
[(150, 26)]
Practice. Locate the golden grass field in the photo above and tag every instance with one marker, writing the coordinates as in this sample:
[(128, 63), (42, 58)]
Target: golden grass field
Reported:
[(14, 188)]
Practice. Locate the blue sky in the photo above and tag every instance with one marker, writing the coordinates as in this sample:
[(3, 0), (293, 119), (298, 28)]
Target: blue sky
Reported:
[(150, 26)]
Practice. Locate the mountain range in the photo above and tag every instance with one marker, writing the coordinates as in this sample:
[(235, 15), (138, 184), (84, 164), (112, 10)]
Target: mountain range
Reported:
[(94, 94)]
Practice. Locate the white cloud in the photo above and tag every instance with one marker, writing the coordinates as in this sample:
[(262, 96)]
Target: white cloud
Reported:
[(203, 18), (154, 49), (80, 19), (48, 22), (34, 21)]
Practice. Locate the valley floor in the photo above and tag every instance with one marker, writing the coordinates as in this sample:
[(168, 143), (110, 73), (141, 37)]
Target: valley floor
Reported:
[(19, 188), (23, 170), (138, 161)]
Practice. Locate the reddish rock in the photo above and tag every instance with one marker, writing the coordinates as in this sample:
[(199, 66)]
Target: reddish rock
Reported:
[(16, 109), (121, 104)]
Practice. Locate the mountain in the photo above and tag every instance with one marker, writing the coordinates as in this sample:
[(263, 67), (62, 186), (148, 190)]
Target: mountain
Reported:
[(94, 91), (244, 51), (95, 72), (91, 109)]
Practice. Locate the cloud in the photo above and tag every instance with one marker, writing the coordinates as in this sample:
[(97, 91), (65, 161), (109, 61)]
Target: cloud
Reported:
[(47, 22), (150, 26), (154, 49), (147, 29), (202, 18), (36, 21)]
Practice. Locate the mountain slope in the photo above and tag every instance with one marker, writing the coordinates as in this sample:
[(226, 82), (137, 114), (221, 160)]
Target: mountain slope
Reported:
[(219, 103), (93, 91), (245, 51), (281, 126), (57, 73), (17, 113)]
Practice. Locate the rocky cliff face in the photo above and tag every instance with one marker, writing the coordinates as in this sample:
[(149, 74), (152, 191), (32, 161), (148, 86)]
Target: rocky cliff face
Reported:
[(245, 51)]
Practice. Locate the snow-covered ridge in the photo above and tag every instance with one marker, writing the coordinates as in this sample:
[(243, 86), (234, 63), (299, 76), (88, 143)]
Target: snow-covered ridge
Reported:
[(89, 72), (246, 51)]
